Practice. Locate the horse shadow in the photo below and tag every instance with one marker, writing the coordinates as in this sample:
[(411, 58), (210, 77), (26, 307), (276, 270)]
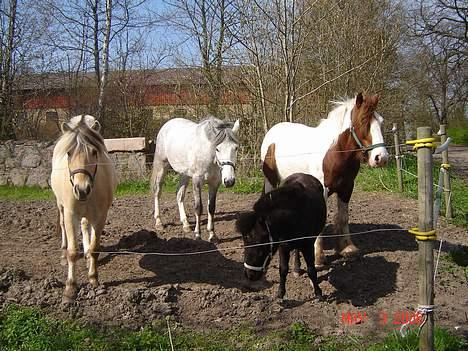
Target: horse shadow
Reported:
[(395, 239), (379, 240), (219, 217), (363, 281), (184, 261)]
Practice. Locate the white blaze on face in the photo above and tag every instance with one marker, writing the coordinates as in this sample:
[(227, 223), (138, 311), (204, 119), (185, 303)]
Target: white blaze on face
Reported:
[(378, 157), (226, 154)]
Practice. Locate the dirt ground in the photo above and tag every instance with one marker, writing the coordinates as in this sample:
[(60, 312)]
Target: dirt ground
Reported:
[(379, 289)]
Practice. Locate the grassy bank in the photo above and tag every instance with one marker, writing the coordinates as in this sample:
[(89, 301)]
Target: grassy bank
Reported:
[(128, 188), (459, 135), (30, 329)]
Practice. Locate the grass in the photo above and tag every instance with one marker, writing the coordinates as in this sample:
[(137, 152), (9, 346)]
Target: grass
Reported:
[(29, 329), (25, 193), (459, 135), (368, 179), (127, 188), (372, 179), (242, 186)]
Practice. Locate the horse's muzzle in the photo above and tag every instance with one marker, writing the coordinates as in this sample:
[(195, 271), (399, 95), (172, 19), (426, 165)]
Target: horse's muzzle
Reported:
[(378, 158), (228, 183), (80, 193)]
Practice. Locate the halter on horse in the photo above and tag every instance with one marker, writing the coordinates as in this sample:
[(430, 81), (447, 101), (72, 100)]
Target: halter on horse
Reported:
[(332, 152), (206, 153), (83, 193)]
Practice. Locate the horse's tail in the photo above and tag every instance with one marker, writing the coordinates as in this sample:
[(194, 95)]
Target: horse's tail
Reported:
[(269, 167), (246, 222), (155, 169)]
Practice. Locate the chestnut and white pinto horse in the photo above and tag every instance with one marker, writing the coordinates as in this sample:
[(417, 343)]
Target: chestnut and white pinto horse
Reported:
[(205, 152), (83, 180), (331, 152)]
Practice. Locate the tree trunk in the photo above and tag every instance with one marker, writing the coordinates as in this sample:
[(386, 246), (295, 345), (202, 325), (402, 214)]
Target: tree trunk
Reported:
[(7, 76), (105, 61)]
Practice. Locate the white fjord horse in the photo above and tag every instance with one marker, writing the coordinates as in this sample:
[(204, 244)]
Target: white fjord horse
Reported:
[(332, 152), (83, 180), (206, 153)]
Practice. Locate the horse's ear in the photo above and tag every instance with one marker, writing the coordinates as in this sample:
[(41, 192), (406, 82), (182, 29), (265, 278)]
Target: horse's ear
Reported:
[(359, 100), (236, 126), (97, 126), (65, 127), (375, 99)]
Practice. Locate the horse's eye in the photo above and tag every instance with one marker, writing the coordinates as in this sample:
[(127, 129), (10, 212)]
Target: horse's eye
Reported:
[(217, 149)]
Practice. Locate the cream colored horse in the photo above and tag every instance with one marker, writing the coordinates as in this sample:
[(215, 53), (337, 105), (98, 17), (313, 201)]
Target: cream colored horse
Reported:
[(83, 180)]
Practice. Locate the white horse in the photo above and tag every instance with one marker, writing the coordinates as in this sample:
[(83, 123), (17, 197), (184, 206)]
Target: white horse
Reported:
[(83, 180), (205, 152), (331, 152)]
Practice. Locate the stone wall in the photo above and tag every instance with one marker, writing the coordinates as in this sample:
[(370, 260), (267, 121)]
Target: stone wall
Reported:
[(29, 163)]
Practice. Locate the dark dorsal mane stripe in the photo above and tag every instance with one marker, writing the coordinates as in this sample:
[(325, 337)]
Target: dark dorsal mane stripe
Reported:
[(81, 138)]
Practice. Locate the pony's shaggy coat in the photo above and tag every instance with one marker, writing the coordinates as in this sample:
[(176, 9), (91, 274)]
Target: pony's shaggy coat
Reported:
[(294, 210)]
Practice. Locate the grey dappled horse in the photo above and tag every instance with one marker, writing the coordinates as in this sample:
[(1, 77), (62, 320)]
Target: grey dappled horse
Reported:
[(205, 152)]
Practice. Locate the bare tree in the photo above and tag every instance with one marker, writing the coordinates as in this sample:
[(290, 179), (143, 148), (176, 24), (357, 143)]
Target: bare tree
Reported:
[(317, 50), (83, 32), (105, 58), (274, 33), (439, 33), (443, 19), (206, 22), (8, 16)]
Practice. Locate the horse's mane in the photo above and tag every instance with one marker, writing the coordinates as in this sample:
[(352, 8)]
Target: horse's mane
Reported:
[(81, 138), (339, 118), (246, 222), (218, 130), (284, 197)]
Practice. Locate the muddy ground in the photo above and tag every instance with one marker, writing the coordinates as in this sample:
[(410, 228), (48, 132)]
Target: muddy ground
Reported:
[(209, 291)]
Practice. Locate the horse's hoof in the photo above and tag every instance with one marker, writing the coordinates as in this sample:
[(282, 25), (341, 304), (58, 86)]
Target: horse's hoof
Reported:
[(319, 298), (280, 296), (197, 237), (70, 293), (213, 238), (321, 267), (349, 251), (319, 260), (159, 226), (186, 228), (94, 282), (67, 301)]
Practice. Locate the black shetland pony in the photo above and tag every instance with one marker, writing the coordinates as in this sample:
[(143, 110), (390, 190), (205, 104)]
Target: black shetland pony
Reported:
[(294, 210)]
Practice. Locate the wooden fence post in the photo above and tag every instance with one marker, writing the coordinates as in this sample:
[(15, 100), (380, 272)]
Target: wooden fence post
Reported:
[(446, 166), (425, 224), (397, 156)]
